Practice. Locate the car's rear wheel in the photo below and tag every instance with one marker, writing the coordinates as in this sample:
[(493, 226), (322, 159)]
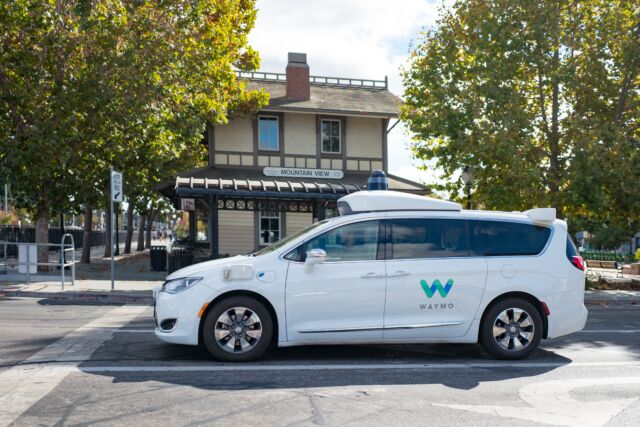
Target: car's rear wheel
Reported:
[(511, 329), (237, 329)]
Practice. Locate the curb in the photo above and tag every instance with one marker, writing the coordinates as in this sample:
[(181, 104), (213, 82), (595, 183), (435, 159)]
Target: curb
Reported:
[(106, 297), (610, 302), (109, 297)]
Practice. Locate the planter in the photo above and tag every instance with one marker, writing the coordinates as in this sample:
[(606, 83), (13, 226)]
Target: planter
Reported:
[(632, 269)]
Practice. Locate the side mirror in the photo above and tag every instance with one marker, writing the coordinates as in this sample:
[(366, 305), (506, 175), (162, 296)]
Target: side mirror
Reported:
[(315, 256)]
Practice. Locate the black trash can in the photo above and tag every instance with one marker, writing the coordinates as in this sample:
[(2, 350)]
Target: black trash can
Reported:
[(179, 258), (158, 258)]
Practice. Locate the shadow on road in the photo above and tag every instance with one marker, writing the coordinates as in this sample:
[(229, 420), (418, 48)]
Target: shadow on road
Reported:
[(298, 358)]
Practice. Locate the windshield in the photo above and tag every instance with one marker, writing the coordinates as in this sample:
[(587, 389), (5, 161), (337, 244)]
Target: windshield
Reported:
[(280, 243)]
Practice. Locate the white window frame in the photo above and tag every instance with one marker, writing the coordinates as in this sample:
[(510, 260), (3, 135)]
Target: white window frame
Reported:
[(277, 119), (339, 136), (270, 215)]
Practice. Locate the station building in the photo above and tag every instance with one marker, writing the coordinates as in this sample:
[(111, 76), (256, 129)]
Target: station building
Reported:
[(276, 171)]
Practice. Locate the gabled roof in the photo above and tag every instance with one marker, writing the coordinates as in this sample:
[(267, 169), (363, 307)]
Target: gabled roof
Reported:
[(336, 99)]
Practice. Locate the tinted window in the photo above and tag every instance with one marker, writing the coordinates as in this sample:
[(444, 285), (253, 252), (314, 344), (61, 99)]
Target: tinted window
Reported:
[(428, 238), (496, 238), (351, 242), (571, 249)]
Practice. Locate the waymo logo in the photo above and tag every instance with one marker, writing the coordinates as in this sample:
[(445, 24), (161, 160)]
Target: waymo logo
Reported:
[(430, 291)]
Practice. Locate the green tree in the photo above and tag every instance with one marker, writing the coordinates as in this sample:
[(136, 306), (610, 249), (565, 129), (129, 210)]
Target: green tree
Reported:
[(540, 98), (85, 85)]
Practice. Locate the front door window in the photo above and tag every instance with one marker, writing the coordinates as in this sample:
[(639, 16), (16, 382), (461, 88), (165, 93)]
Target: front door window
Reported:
[(351, 242)]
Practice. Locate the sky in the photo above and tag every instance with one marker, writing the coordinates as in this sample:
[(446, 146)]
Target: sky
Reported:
[(366, 39)]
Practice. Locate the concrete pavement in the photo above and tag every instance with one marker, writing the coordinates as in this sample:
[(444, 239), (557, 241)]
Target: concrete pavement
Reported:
[(89, 364)]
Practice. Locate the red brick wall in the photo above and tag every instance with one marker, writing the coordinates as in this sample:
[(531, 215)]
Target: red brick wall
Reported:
[(298, 82)]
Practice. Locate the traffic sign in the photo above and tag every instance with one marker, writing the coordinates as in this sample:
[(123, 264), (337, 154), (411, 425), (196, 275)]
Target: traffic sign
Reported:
[(116, 187)]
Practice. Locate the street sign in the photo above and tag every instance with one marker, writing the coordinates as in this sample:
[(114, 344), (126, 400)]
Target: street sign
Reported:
[(304, 173), (116, 187), (115, 181)]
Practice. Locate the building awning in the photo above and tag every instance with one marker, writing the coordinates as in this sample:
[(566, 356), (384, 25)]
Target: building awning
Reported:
[(245, 183), (263, 188)]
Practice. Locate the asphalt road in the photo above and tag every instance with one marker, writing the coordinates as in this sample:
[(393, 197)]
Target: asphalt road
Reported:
[(69, 364)]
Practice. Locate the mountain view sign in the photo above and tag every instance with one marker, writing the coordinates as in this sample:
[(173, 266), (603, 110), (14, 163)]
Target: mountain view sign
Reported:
[(304, 173)]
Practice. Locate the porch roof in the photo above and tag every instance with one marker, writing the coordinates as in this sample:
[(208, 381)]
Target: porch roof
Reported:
[(238, 183)]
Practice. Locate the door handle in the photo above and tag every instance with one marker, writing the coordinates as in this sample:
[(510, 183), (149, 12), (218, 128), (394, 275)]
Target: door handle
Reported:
[(399, 273), (372, 276)]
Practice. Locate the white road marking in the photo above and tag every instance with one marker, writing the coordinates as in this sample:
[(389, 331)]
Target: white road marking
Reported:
[(23, 385), (325, 367), (551, 403), (586, 331)]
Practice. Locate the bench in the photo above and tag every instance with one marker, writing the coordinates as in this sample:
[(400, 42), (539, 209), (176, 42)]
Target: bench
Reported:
[(596, 263)]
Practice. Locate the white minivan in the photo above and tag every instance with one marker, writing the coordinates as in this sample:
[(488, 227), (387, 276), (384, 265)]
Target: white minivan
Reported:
[(392, 268)]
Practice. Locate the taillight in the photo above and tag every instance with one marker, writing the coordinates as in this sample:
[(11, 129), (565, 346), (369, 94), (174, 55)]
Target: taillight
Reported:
[(578, 262)]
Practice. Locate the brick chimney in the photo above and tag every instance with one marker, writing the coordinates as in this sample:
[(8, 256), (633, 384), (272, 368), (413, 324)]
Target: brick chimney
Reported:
[(298, 77)]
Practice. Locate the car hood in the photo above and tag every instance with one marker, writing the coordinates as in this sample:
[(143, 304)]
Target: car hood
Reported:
[(207, 266)]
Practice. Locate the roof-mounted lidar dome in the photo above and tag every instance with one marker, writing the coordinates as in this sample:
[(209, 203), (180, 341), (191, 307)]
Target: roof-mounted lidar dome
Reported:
[(372, 201)]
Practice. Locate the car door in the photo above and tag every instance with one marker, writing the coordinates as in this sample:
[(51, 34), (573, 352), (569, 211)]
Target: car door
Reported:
[(433, 287), (342, 298)]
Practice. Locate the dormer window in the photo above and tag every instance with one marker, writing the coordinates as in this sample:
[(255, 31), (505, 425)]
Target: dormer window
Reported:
[(268, 133), (330, 134)]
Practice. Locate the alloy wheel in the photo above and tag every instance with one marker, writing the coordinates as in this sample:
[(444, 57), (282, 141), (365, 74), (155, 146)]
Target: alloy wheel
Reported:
[(238, 330), (513, 329)]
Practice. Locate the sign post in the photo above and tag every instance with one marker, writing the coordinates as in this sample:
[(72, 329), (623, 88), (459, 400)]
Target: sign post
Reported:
[(115, 190)]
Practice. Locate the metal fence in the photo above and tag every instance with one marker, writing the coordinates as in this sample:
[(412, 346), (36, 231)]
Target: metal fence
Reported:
[(25, 265), (11, 233), (607, 256)]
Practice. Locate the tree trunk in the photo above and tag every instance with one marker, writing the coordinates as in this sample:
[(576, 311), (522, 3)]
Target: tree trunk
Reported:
[(127, 240), (86, 235), (42, 236), (141, 226), (152, 215), (555, 172), (107, 234)]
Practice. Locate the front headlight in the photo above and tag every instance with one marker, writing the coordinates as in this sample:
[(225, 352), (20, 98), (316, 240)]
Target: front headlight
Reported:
[(178, 285)]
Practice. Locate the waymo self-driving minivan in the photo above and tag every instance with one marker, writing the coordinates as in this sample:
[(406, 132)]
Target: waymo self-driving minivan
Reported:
[(392, 268)]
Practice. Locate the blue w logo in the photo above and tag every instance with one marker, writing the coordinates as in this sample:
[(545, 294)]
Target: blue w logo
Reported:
[(430, 291)]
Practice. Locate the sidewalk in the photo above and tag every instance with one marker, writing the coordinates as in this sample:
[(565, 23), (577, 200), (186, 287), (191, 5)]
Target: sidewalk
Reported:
[(598, 297), (134, 281)]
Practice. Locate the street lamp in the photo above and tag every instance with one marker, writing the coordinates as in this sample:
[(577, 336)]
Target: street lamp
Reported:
[(467, 178)]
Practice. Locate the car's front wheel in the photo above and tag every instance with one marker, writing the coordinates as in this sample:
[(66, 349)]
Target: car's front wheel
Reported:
[(237, 329), (511, 329)]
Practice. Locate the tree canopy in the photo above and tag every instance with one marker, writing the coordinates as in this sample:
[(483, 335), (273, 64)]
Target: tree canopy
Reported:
[(85, 85), (541, 99)]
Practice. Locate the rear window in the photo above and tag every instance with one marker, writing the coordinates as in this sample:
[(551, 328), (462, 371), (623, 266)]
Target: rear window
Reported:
[(571, 249), (498, 238)]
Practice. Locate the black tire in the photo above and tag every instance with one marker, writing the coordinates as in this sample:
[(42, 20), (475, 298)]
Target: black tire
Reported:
[(496, 345), (226, 305)]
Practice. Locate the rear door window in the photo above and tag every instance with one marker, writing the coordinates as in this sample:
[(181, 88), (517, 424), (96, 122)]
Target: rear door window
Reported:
[(500, 238), (427, 238)]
